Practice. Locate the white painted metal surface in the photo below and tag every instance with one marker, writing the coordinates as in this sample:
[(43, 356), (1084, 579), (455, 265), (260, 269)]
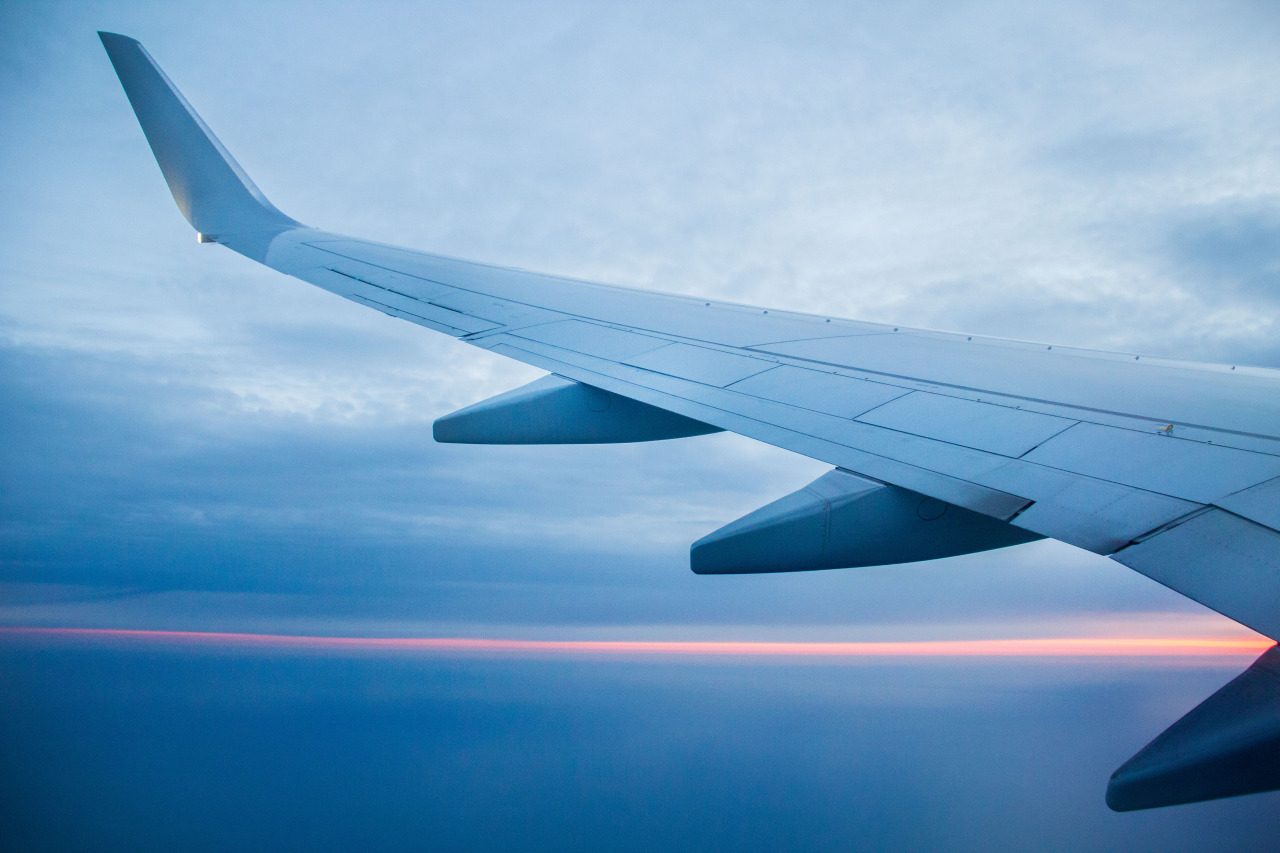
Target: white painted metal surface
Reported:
[(699, 364), (591, 339), (1184, 469), (983, 424), (828, 393), (1260, 503), (1221, 560), (1157, 390)]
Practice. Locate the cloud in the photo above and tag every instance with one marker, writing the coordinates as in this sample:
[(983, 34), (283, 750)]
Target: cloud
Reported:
[(191, 508), (1229, 248), (180, 422)]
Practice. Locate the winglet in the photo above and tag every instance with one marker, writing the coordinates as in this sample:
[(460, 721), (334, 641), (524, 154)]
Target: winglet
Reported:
[(212, 191)]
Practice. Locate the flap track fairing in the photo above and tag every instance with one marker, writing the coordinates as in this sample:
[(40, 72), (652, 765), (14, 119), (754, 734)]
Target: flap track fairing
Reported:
[(1227, 746), (555, 410), (844, 521)]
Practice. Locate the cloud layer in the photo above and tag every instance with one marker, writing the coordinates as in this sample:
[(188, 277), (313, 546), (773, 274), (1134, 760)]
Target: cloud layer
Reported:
[(179, 423)]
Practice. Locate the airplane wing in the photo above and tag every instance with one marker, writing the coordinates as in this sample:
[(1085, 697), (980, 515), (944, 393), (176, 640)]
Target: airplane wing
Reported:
[(942, 443)]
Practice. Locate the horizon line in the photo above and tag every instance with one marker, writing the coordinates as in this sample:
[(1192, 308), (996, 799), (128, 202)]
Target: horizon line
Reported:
[(1109, 647)]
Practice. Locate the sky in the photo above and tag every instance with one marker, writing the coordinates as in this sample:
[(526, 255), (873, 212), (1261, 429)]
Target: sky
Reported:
[(191, 442)]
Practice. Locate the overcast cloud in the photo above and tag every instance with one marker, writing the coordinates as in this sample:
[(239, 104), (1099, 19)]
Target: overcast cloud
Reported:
[(177, 418)]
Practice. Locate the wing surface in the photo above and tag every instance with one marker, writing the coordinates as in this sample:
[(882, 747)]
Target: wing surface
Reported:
[(1171, 468)]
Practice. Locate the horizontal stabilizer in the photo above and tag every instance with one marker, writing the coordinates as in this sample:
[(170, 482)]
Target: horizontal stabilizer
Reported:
[(555, 410), (843, 521), (1227, 746)]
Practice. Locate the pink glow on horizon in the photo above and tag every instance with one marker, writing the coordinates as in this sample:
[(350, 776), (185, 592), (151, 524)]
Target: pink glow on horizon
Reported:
[(1045, 647)]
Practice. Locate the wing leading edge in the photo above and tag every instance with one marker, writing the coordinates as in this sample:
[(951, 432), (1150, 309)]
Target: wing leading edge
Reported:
[(1171, 468)]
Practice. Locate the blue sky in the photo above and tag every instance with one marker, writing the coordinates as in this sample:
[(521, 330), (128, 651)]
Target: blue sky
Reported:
[(183, 423), (191, 441)]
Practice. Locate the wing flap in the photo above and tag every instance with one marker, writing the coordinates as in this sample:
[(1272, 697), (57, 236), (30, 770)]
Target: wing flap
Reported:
[(1221, 560), (1157, 391), (1260, 503), (962, 493), (1084, 511)]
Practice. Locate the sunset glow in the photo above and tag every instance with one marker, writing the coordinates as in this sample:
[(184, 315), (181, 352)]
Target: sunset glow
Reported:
[(1108, 647)]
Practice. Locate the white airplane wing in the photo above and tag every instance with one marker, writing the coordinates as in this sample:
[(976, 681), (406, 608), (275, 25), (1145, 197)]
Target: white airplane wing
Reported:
[(942, 443)]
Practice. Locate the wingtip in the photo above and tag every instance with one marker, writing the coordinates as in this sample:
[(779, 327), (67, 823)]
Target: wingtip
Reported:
[(116, 37), (116, 44), (212, 191)]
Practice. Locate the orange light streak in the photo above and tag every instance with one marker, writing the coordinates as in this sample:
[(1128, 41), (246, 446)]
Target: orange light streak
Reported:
[(1106, 647)]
